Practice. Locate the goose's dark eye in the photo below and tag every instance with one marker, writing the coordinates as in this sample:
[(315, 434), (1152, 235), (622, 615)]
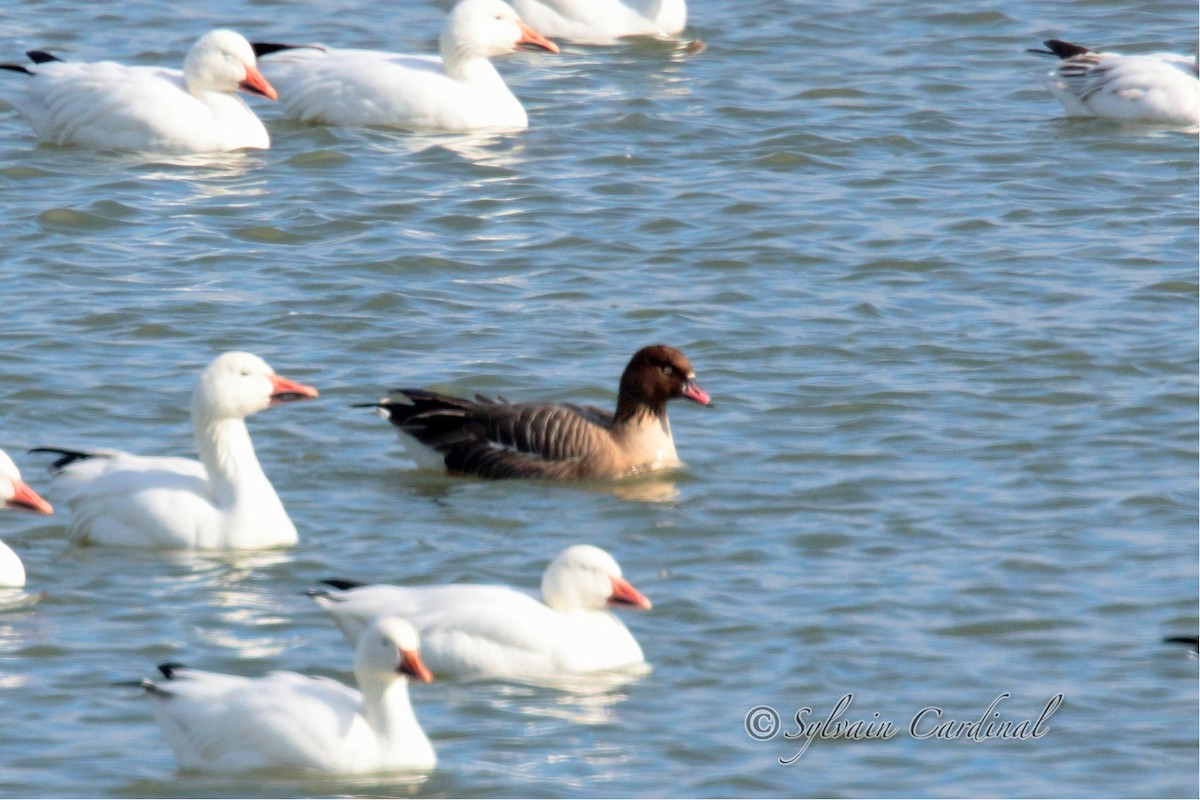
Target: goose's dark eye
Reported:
[(668, 370)]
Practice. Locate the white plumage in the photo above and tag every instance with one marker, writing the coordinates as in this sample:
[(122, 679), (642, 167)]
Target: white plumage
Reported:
[(459, 92), (111, 106), (1161, 87), (224, 501), (284, 720), (15, 493), (499, 632), (603, 21)]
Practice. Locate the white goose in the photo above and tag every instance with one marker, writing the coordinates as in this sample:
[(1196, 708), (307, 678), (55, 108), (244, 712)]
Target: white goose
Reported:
[(1161, 87), (15, 493), (224, 501), (284, 720), (459, 92), (603, 21), (498, 632), (110, 106)]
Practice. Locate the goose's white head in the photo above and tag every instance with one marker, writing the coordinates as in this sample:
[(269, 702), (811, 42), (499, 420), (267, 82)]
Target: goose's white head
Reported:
[(236, 385), (487, 28), (14, 493), (389, 647), (223, 61), (584, 577)]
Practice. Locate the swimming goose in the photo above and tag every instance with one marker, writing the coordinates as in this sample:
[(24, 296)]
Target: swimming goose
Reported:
[(459, 92), (224, 501), (15, 493), (603, 21), (499, 632), (227, 723), (1161, 87), (498, 439), (110, 106)]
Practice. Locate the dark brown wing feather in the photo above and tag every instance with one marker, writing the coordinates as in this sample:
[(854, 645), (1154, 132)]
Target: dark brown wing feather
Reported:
[(497, 439)]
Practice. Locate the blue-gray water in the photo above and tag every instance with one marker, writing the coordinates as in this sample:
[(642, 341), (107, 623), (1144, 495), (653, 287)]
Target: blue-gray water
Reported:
[(951, 337)]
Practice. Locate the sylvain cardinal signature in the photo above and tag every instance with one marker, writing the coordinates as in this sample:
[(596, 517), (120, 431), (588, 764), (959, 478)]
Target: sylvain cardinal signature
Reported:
[(931, 722)]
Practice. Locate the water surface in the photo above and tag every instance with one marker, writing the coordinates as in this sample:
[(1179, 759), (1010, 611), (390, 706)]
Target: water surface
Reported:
[(951, 337)]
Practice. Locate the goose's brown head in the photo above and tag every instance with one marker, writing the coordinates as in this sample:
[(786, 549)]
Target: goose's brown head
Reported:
[(659, 373)]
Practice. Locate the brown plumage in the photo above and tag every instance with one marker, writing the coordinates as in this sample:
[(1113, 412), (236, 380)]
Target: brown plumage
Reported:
[(493, 438)]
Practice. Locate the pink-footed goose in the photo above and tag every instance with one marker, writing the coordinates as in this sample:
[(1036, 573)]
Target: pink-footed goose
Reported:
[(493, 438)]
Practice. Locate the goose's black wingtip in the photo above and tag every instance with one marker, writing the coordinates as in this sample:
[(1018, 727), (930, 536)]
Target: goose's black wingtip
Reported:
[(41, 56), (169, 668), (36, 56), (1191, 641), (1064, 50), (342, 584), (65, 456), (267, 48)]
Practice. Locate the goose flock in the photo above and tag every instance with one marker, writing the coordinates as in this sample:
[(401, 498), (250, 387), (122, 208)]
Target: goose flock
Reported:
[(224, 500), (111, 106)]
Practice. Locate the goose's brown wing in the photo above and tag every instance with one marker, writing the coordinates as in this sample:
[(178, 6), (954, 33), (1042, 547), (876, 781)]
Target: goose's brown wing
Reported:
[(497, 439)]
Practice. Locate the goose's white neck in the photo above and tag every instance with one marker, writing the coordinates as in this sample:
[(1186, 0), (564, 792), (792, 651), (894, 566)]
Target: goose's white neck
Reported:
[(250, 513), (388, 710), (462, 65), (228, 454)]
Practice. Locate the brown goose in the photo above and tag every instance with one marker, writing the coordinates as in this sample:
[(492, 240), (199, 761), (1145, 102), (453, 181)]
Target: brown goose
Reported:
[(493, 438)]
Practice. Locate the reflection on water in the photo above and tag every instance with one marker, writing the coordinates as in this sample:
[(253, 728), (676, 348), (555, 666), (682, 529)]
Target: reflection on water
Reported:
[(11, 641), (279, 784), (16, 599), (586, 699), (243, 606), (487, 150), (335, 145), (221, 569), (193, 168), (646, 490), (439, 487)]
